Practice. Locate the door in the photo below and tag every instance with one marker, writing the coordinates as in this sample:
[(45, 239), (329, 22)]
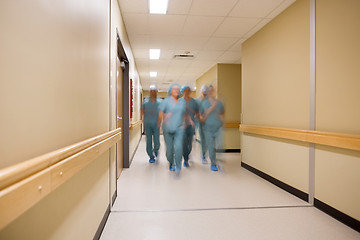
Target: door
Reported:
[(119, 116)]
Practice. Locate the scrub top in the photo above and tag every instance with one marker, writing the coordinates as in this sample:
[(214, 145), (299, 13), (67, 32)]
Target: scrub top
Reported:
[(213, 121), (151, 111), (191, 108), (174, 114)]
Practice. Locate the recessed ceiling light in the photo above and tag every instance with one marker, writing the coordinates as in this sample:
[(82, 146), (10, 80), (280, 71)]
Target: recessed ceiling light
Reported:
[(158, 6), (154, 53), (153, 74)]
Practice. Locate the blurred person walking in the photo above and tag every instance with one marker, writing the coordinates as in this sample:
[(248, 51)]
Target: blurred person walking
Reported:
[(192, 112), (150, 112), (172, 114), (200, 125), (212, 114)]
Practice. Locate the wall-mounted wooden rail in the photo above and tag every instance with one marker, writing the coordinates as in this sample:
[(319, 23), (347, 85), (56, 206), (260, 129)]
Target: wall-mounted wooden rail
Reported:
[(24, 184), (135, 124), (232, 124), (340, 140)]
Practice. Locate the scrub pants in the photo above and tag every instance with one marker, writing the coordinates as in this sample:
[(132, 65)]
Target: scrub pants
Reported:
[(202, 139), (174, 147), (152, 132), (213, 141), (188, 138)]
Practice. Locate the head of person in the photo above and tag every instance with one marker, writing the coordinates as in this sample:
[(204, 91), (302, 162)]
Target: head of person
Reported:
[(185, 90), (211, 91), (174, 90), (203, 90), (153, 91)]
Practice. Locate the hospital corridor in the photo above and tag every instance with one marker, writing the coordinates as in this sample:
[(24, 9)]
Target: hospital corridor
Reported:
[(179, 120)]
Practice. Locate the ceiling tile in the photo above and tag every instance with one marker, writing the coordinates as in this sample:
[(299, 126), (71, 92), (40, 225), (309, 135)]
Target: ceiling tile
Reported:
[(136, 23), (254, 8), (212, 7), (139, 41), (230, 57), (140, 53), (219, 43), (179, 7), (201, 26), (134, 6), (163, 41), (281, 8), (237, 45), (209, 55), (236, 27), (192, 42), (166, 24)]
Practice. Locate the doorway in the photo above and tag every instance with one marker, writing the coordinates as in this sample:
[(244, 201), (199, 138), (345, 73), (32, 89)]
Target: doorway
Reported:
[(119, 116)]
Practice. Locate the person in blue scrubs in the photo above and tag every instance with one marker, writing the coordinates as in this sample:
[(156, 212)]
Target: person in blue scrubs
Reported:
[(192, 112), (212, 113), (150, 110), (172, 114), (200, 125)]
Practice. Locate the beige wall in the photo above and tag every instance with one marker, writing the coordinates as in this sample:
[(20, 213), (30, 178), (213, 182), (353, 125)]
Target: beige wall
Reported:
[(337, 102), (275, 92), (229, 91), (54, 91), (210, 77)]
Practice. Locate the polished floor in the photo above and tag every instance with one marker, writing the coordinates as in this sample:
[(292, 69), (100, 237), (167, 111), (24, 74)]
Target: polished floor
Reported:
[(153, 203)]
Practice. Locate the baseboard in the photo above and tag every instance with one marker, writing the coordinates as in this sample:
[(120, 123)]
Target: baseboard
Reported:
[(228, 150), (114, 197), (298, 193), (340, 216), (102, 224)]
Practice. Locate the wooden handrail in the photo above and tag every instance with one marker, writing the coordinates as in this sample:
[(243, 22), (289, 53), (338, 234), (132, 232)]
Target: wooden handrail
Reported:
[(135, 124), (26, 183), (232, 124), (340, 140)]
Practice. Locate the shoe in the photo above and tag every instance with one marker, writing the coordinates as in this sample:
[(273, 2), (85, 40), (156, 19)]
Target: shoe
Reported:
[(172, 168), (213, 168), (151, 160), (203, 160), (186, 163)]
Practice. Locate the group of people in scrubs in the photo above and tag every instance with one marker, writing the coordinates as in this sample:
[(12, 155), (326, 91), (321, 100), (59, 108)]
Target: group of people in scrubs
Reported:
[(179, 116)]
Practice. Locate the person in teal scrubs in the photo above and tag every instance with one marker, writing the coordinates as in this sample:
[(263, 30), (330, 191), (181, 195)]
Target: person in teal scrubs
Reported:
[(212, 113), (192, 112), (150, 110), (172, 114), (200, 125)]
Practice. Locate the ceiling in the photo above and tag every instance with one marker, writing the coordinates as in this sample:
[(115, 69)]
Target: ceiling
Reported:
[(211, 30)]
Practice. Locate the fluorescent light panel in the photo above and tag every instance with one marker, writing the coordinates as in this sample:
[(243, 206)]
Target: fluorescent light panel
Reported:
[(158, 6), (154, 53), (153, 74)]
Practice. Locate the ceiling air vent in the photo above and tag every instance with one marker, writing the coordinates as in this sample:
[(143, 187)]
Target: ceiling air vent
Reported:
[(185, 55)]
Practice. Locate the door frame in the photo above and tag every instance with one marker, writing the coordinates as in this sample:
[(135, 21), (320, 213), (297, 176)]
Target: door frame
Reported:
[(125, 101)]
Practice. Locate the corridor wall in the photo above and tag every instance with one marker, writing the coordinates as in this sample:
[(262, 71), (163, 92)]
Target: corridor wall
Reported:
[(54, 92), (276, 92)]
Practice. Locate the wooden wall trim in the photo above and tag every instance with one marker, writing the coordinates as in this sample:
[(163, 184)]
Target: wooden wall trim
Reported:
[(340, 140), (42, 175), (232, 124), (135, 124)]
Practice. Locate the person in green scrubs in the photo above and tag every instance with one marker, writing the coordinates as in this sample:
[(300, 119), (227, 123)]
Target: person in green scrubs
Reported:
[(200, 125), (150, 111), (172, 114), (192, 112), (212, 113)]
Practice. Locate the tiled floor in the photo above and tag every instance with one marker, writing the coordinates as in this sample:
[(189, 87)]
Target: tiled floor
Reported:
[(201, 204)]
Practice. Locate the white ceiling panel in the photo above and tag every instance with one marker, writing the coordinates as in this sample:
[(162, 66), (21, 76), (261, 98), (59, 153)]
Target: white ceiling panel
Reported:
[(201, 26), (281, 8), (218, 43), (166, 24), (236, 27), (254, 8), (212, 30), (212, 7), (180, 7)]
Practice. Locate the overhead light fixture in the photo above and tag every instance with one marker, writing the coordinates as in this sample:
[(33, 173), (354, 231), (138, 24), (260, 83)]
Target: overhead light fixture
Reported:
[(154, 53), (153, 74), (158, 6)]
